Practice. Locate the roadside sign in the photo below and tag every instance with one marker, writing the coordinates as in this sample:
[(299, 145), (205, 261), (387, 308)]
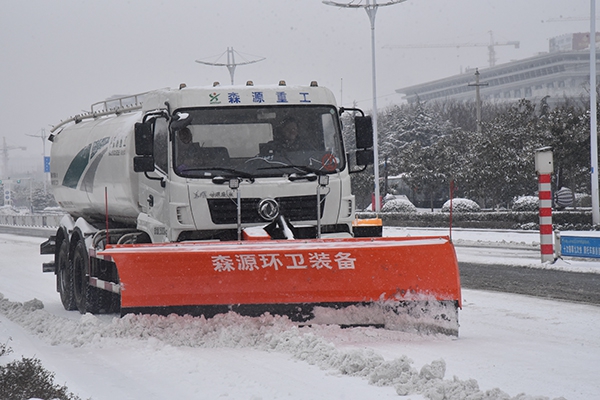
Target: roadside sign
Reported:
[(46, 164), (579, 245)]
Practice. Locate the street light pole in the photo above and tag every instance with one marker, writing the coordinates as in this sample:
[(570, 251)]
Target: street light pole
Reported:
[(371, 12), (371, 9), (593, 121)]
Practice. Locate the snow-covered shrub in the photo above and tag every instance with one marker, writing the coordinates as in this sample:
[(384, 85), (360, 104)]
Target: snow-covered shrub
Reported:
[(402, 205), (583, 200), (529, 226), (525, 203), (27, 379), (461, 206)]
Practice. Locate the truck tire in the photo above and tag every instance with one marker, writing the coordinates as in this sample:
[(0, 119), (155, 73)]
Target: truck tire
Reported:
[(64, 277), (108, 302), (86, 297)]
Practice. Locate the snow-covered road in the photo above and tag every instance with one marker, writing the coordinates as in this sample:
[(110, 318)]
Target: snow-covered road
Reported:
[(515, 343)]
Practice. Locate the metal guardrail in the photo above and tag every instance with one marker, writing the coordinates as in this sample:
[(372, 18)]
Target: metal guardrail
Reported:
[(37, 225), (32, 220)]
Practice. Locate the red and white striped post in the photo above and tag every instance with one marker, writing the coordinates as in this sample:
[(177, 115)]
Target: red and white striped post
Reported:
[(544, 168), (546, 236)]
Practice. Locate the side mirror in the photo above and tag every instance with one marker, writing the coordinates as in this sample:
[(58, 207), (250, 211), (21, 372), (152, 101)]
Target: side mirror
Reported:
[(364, 157), (144, 139), (363, 127), (143, 163)]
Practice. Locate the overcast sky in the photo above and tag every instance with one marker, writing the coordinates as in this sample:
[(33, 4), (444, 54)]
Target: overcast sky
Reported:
[(60, 56)]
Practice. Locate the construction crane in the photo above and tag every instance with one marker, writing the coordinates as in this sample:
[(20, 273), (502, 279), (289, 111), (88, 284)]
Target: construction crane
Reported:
[(568, 19), (491, 46), (5, 149)]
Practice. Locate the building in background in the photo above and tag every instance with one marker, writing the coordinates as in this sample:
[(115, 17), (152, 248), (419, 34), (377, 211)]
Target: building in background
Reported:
[(561, 73)]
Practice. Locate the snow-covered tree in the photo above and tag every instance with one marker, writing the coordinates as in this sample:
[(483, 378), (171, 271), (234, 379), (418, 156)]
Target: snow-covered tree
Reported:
[(43, 199), (433, 144), (566, 128), (28, 195), (408, 138), (505, 154)]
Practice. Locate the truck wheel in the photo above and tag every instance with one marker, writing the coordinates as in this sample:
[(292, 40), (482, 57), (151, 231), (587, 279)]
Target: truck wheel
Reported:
[(64, 277), (85, 296), (108, 302)]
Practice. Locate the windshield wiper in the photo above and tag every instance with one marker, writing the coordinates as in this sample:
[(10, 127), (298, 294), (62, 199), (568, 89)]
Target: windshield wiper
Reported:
[(302, 168), (308, 173), (234, 172)]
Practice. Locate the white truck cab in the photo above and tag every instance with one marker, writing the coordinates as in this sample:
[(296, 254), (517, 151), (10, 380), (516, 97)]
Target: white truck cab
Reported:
[(274, 146)]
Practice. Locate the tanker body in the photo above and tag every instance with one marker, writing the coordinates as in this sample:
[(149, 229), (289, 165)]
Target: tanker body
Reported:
[(103, 159), (188, 200)]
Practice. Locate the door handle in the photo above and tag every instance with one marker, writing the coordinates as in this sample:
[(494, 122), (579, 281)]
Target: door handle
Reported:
[(151, 200)]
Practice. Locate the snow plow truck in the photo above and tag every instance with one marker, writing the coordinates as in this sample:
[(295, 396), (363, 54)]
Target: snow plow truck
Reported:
[(233, 198)]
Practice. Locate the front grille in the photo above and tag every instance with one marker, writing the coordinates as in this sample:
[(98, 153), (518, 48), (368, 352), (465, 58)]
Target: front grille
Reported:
[(300, 208)]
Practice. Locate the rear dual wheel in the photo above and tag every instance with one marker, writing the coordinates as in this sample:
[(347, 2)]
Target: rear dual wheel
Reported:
[(64, 277), (90, 298), (72, 281), (86, 297)]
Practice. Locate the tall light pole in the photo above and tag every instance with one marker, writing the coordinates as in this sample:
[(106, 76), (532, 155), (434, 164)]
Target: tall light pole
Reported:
[(593, 119), (371, 9)]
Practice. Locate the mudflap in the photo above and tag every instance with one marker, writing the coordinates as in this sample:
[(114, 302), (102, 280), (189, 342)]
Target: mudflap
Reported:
[(352, 281)]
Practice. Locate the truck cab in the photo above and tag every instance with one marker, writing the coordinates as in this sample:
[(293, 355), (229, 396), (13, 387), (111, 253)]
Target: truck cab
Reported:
[(216, 158)]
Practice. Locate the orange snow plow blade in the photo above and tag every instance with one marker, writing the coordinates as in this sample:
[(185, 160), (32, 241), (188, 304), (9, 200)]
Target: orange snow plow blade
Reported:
[(283, 277)]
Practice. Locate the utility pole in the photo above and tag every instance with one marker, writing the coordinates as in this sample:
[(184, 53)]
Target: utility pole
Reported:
[(44, 137), (230, 64), (593, 117), (371, 9), (478, 98), (5, 150)]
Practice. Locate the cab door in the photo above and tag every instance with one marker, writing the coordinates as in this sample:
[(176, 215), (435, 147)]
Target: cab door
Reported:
[(153, 193)]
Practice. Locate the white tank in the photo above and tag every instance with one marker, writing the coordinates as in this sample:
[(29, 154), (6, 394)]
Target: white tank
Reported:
[(90, 156)]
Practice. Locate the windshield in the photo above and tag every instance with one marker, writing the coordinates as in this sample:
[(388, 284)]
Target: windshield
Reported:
[(259, 141)]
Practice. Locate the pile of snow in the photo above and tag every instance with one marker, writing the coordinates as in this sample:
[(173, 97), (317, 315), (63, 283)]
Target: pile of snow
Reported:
[(266, 333)]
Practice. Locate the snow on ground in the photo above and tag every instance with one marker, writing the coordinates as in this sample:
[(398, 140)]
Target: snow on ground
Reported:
[(508, 344), (501, 247)]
